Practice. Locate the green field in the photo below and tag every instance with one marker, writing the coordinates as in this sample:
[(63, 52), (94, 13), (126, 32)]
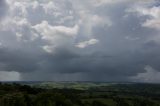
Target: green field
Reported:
[(79, 94)]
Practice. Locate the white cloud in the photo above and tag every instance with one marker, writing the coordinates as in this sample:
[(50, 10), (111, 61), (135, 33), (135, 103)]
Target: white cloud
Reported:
[(87, 43), (19, 36), (35, 4), (103, 2), (88, 21), (50, 8), (56, 35), (19, 8), (20, 28), (9, 76), (97, 20), (13, 23), (153, 13), (49, 32), (151, 75), (48, 49), (65, 19), (131, 38), (88, 18), (154, 23)]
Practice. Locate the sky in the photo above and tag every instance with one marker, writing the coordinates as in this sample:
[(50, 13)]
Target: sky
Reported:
[(80, 40)]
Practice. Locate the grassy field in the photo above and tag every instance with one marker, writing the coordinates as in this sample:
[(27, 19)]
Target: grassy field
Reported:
[(79, 94)]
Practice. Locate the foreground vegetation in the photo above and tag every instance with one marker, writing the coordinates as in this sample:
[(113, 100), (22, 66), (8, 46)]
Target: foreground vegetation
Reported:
[(79, 94)]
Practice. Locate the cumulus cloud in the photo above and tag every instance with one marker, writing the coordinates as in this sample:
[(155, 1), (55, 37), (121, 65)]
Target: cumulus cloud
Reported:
[(41, 40), (154, 14), (55, 35), (87, 43), (9, 76), (151, 75), (48, 32)]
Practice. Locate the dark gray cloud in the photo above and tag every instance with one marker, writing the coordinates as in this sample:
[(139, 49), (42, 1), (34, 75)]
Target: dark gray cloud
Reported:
[(17, 60), (3, 8), (114, 43)]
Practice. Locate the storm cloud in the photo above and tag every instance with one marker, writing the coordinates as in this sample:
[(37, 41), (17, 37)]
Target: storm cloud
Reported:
[(3, 8), (80, 40)]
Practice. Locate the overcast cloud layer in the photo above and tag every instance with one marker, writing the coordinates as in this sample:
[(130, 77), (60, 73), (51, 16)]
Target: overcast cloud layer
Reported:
[(80, 40)]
